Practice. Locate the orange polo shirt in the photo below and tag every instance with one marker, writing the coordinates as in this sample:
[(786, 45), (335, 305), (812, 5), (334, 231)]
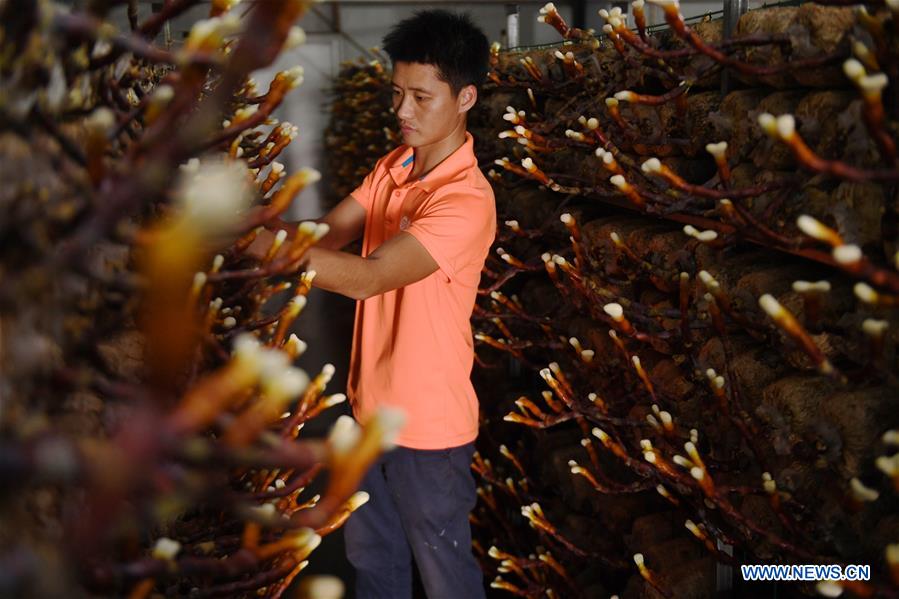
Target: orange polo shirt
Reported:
[(412, 347)]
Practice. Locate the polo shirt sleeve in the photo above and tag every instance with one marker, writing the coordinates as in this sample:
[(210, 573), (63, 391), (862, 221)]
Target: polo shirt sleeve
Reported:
[(365, 193), (456, 228)]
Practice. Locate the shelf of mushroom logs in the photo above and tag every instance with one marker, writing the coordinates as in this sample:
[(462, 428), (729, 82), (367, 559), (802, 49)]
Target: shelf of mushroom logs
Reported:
[(150, 412), (686, 339), (706, 284)]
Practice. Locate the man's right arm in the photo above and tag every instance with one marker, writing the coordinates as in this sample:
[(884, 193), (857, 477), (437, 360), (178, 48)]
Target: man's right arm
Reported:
[(346, 223)]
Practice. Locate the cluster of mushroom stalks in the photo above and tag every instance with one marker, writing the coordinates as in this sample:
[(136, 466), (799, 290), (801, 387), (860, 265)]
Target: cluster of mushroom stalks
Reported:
[(151, 405)]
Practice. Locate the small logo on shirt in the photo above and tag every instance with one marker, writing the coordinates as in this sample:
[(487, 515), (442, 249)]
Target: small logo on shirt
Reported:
[(404, 223)]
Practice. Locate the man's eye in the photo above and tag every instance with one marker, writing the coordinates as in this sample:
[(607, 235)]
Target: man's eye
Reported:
[(420, 98)]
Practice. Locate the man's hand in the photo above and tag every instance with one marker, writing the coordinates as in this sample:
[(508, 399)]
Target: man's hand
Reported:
[(260, 247), (346, 223)]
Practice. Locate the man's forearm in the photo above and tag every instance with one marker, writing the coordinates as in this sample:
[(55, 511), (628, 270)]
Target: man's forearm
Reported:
[(341, 272), (331, 241)]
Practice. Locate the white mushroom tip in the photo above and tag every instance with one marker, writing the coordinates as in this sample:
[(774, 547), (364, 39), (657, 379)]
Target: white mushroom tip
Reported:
[(786, 126), (652, 165), (614, 310), (847, 254)]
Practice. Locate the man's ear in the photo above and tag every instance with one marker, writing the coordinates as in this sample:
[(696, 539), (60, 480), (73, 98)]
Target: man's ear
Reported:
[(468, 95)]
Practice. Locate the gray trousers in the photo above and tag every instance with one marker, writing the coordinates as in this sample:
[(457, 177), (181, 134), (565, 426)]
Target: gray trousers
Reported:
[(418, 507)]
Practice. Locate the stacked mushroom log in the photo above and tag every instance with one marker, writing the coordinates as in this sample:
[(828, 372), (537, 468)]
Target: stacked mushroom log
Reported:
[(706, 284), (150, 408), (362, 127)]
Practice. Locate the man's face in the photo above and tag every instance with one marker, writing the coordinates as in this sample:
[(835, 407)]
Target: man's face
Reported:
[(424, 104)]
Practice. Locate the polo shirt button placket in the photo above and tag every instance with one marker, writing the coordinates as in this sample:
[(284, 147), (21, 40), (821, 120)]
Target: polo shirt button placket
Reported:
[(397, 194)]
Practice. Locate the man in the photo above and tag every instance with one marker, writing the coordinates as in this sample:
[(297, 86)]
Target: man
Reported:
[(429, 219)]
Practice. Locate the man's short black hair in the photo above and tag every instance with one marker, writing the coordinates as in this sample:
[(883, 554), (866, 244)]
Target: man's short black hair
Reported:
[(449, 41)]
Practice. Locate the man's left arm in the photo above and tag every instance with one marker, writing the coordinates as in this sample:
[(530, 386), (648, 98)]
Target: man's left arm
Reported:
[(399, 261)]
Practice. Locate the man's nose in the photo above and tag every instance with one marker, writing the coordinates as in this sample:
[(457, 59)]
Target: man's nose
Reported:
[(404, 110)]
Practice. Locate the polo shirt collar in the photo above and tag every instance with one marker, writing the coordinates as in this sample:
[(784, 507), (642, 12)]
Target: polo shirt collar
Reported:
[(460, 160)]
